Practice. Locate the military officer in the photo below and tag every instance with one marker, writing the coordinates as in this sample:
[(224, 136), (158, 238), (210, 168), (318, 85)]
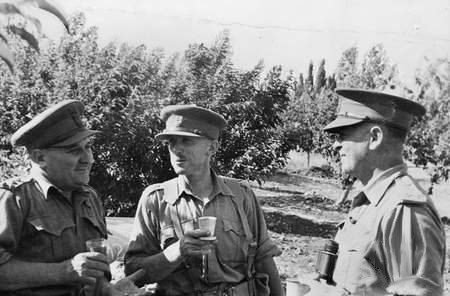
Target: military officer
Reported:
[(165, 241), (46, 216), (392, 240)]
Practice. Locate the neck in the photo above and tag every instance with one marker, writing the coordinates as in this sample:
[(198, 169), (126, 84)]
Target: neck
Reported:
[(381, 166), (201, 185)]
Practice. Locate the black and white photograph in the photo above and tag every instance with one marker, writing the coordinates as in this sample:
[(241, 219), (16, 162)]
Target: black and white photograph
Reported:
[(224, 148)]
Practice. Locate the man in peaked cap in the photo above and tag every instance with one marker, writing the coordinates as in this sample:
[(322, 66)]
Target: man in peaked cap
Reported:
[(165, 241), (392, 240), (47, 216)]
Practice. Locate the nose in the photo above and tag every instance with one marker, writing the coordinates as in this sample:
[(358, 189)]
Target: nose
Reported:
[(337, 145), (88, 157)]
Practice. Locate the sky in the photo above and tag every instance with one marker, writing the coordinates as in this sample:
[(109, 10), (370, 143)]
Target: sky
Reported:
[(290, 33)]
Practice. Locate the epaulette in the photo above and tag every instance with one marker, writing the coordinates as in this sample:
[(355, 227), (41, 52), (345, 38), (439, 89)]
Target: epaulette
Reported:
[(152, 188), (241, 182), (409, 192), (14, 183)]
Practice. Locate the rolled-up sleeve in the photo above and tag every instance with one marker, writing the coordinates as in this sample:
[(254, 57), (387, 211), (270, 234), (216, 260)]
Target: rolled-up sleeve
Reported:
[(144, 238), (266, 246), (11, 223)]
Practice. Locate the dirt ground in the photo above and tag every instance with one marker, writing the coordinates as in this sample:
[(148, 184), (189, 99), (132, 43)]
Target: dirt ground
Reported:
[(300, 215)]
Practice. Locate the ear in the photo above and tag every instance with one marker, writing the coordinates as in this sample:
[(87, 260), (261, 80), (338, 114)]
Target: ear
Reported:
[(38, 157), (214, 147), (376, 137)]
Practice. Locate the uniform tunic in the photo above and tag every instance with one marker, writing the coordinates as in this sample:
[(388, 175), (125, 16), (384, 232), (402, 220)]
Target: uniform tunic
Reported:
[(39, 224), (155, 229), (394, 232)]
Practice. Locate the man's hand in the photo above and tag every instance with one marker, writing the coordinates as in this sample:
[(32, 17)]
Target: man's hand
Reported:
[(189, 245), (192, 245), (85, 268), (126, 286)]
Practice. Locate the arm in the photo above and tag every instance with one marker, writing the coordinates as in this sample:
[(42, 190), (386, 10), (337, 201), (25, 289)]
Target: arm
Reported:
[(414, 246), (162, 264), (83, 269), (17, 274), (266, 250), (144, 249), (267, 266)]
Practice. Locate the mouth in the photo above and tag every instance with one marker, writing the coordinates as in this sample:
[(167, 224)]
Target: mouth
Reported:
[(83, 170)]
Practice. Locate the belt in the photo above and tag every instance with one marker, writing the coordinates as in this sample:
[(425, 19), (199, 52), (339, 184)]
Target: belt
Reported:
[(241, 289), (237, 290)]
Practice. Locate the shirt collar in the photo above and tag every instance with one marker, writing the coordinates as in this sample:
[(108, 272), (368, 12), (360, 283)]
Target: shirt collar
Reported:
[(174, 194), (376, 188), (38, 175)]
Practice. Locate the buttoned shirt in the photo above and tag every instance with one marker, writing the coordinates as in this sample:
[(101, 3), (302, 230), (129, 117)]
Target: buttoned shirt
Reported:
[(39, 224), (393, 234), (155, 229)]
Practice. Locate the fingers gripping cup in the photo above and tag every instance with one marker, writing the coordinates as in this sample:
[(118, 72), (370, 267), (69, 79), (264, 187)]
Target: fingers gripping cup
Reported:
[(208, 223)]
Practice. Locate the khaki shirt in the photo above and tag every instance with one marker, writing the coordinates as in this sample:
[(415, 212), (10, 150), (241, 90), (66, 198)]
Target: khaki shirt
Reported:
[(39, 224), (154, 229), (397, 233)]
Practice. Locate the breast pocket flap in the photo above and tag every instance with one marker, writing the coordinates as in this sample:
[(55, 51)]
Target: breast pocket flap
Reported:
[(233, 226), (52, 225)]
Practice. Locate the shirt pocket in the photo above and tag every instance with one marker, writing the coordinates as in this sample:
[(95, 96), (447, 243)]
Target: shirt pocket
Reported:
[(46, 241), (231, 241)]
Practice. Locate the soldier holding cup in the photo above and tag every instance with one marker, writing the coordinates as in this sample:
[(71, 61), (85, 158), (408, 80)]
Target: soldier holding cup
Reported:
[(166, 241)]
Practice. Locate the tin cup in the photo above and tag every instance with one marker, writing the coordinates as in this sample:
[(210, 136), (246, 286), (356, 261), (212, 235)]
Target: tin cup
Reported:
[(98, 245), (101, 245), (208, 223)]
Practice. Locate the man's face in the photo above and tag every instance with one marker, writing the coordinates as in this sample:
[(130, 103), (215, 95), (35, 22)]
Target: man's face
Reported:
[(189, 155), (68, 167), (352, 144)]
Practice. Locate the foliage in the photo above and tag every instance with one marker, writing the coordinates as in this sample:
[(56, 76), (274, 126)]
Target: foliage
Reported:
[(429, 141), (311, 107), (252, 105), (16, 19), (124, 88)]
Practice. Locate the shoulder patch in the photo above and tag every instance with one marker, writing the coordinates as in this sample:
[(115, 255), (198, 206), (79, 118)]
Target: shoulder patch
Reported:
[(14, 183)]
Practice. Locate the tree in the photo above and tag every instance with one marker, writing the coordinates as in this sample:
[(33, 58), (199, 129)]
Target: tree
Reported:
[(250, 148), (428, 144), (124, 88), (17, 21), (310, 108)]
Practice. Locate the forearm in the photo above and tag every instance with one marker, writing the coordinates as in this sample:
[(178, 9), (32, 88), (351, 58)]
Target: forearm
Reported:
[(267, 266), (158, 266), (16, 274)]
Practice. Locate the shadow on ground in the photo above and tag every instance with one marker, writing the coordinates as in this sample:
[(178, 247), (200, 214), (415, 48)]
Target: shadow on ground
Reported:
[(292, 224)]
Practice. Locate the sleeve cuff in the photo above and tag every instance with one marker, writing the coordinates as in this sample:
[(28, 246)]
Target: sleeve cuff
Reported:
[(267, 248)]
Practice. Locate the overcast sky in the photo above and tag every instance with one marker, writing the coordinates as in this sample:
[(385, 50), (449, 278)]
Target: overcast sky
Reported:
[(286, 32)]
